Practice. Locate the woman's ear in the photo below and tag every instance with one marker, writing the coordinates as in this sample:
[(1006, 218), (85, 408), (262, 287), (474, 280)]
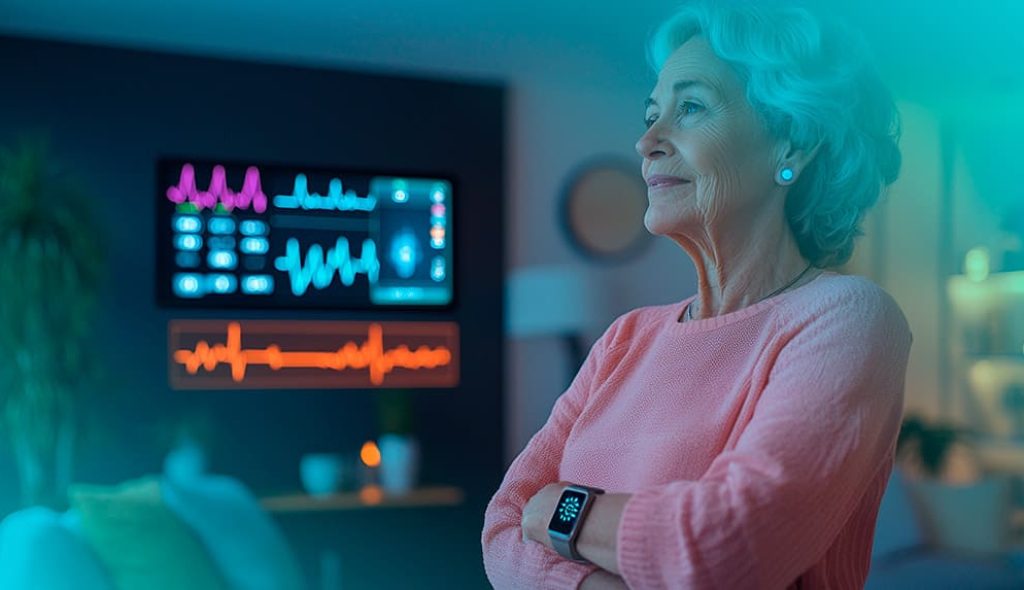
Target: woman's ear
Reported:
[(793, 160)]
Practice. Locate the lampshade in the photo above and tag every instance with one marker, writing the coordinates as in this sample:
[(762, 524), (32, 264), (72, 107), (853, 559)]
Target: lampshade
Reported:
[(549, 300)]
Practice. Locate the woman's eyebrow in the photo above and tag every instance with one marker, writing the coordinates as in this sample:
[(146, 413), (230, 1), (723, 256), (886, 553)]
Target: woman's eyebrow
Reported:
[(678, 87)]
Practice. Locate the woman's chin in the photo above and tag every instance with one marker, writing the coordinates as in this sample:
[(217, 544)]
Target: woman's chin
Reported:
[(659, 224), (651, 226)]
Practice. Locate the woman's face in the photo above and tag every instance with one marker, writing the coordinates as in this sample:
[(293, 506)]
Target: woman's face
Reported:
[(703, 134)]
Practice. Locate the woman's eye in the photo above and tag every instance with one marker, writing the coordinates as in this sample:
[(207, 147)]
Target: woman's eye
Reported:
[(685, 108), (689, 108)]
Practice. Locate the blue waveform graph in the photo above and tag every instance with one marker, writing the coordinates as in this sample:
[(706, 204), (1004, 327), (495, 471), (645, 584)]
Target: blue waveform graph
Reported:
[(319, 268), (335, 199)]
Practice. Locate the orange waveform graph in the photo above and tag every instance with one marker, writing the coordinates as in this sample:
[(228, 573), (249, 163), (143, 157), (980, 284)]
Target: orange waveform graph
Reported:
[(211, 354)]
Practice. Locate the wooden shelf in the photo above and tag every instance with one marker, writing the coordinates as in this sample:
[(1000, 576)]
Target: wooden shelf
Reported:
[(369, 497), (995, 367), (1002, 456), (999, 285)]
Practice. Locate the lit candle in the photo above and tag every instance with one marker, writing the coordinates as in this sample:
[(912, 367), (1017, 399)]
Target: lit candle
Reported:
[(369, 456)]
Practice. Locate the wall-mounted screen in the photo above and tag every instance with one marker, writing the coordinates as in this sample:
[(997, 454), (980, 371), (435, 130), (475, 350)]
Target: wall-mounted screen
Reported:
[(244, 235)]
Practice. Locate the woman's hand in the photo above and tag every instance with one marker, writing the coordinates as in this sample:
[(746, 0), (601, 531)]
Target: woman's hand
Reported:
[(597, 541), (537, 513)]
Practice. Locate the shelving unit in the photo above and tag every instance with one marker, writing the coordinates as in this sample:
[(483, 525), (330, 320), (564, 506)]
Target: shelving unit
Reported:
[(367, 498), (987, 363)]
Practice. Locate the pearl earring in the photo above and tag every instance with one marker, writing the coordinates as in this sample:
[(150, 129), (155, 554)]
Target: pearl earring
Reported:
[(786, 174)]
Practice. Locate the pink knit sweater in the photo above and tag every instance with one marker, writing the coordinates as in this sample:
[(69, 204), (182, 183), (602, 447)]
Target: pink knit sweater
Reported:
[(756, 444)]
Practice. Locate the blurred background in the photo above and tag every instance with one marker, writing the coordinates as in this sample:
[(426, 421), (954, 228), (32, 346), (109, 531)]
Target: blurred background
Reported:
[(286, 286)]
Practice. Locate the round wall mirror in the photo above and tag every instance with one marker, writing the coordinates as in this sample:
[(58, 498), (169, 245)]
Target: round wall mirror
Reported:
[(603, 208)]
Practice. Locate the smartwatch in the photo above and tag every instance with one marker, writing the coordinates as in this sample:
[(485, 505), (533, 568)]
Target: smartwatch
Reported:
[(567, 520)]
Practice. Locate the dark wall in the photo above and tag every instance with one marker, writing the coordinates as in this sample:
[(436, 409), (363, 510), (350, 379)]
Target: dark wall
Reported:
[(111, 113)]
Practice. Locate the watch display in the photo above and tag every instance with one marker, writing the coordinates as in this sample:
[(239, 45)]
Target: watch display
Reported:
[(568, 511)]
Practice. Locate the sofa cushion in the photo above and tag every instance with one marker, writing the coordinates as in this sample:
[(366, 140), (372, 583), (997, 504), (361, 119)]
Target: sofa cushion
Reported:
[(938, 572), (898, 529), (142, 543), (245, 543), (967, 519), (38, 552)]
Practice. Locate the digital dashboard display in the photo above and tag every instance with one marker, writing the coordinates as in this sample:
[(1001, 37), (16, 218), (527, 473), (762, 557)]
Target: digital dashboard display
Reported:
[(261, 236)]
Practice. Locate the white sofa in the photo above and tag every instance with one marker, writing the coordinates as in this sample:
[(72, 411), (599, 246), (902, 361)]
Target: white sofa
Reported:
[(44, 550)]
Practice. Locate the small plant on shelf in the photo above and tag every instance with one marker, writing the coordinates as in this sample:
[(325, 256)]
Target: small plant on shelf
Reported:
[(394, 411)]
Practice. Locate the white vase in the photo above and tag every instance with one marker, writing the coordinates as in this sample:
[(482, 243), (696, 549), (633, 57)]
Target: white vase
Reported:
[(399, 463), (321, 473)]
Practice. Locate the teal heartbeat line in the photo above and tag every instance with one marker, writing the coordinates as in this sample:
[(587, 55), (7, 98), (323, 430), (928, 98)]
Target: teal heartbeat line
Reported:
[(319, 268), (334, 200)]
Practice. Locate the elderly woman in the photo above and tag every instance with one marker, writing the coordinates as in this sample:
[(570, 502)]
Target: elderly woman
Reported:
[(743, 437)]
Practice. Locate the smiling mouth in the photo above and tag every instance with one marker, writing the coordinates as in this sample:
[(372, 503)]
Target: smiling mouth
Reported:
[(662, 183)]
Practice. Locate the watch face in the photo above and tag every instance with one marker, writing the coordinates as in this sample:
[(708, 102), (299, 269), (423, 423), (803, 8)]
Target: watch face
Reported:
[(567, 512)]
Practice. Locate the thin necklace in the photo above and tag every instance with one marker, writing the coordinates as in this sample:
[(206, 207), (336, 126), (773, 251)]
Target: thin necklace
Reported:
[(689, 306)]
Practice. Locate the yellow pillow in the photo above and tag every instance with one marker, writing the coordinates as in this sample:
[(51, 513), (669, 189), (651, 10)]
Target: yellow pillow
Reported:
[(143, 545)]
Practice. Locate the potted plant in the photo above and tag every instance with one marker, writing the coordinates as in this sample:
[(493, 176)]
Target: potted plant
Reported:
[(51, 261)]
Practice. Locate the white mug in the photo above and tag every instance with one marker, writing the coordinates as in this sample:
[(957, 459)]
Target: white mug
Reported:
[(321, 473)]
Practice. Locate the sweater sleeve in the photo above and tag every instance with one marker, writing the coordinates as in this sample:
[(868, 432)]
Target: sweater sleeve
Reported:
[(509, 561), (769, 508)]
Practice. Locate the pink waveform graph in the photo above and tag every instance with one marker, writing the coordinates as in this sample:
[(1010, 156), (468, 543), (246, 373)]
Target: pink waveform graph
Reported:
[(251, 194)]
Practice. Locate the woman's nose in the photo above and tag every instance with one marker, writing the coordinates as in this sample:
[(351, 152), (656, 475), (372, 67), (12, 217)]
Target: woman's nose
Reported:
[(651, 145)]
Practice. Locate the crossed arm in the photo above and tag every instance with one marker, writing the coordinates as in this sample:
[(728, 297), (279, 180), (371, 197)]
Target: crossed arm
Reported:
[(764, 511)]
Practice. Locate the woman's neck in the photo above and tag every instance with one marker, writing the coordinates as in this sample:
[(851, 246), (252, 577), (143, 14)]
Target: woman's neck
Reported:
[(736, 273)]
